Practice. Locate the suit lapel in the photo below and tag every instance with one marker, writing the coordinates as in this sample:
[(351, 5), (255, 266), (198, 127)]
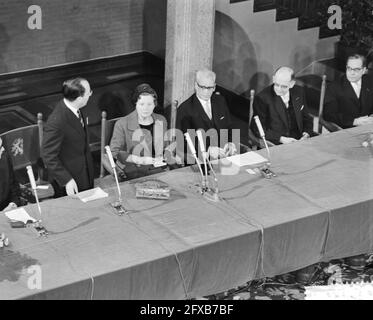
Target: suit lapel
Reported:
[(280, 108), (201, 111), (366, 97), (297, 105), (73, 121), (350, 92)]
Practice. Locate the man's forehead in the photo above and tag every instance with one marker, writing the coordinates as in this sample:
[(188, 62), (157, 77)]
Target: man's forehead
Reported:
[(282, 78), (205, 80), (355, 63)]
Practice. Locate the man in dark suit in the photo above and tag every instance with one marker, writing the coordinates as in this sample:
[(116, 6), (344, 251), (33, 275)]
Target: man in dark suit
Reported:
[(206, 110), (349, 100), (66, 150), (282, 110)]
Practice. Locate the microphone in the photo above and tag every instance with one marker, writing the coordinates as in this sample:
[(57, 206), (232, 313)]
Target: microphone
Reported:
[(31, 177), (266, 172), (117, 205), (203, 149), (207, 161), (262, 135), (194, 153)]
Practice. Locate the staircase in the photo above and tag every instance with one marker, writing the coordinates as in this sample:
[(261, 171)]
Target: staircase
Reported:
[(310, 13)]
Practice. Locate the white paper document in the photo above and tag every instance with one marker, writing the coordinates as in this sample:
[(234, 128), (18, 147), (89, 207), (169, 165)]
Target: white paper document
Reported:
[(19, 214), (247, 159), (92, 194)]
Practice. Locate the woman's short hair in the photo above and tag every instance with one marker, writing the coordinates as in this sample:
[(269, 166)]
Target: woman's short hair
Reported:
[(144, 89), (73, 88)]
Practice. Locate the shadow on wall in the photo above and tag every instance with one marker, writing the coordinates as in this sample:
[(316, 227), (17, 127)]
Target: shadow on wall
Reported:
[(4, 41), (77, 50), (235, 58)]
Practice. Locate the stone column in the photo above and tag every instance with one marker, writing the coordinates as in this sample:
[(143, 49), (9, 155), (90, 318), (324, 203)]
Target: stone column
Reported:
[(189, 45)]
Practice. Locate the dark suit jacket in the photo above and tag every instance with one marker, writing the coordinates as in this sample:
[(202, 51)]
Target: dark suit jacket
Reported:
[(342, 105), (66, 150), (191, 115), (272, 113), (9, 188)]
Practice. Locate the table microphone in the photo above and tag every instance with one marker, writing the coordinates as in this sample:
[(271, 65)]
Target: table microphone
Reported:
[(203, 149), (31, 177), (207, 161), (117, 205), (262, 134), (194, 153)]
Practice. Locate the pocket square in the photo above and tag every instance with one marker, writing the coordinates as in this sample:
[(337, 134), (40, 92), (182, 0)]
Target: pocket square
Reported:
[(222, 118)]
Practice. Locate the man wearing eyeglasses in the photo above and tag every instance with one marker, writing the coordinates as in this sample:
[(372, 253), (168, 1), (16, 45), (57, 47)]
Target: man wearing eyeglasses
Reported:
[(282, 110), (207, 110), (349, 99), (66, 151)]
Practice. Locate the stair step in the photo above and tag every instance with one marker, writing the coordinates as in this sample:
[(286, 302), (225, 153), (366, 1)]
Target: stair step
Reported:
[(264, 5)]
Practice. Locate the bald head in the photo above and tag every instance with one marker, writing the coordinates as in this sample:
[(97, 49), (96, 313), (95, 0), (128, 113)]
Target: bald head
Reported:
[(283, 80)]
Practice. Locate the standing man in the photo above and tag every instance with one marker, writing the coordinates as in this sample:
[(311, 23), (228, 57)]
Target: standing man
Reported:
[(66, 150), (349, 100), (282, 110), (206, 110)]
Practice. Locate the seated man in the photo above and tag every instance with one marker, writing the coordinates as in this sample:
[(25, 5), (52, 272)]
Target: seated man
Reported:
[(9, 188), (349, 100), (282, 110), (206, 110)]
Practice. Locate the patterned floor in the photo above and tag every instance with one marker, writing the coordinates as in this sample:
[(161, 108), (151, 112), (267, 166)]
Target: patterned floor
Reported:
[(291, 286)]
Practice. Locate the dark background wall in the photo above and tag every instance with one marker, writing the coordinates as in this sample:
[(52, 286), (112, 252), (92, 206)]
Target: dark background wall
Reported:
[(72, 30)]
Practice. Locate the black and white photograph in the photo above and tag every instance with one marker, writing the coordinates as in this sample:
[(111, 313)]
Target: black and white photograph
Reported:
[(186, 155)]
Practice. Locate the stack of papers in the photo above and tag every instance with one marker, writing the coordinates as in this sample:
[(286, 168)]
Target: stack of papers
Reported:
[(92, 194), (19, 214), (247, 159)]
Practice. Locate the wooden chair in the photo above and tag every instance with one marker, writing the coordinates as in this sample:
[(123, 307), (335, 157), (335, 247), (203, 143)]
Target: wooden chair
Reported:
[(330, 126), (107, 127), (24, 146)]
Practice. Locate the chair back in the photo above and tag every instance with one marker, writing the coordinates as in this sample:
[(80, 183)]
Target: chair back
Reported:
[(107, 128), (23, 146), (321, 105)]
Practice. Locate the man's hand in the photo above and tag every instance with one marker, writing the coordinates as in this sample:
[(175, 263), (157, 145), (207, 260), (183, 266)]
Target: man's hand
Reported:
[(362, 121), (287, 140), (216, 152), (230, 149), (305, 136), (10, 206), (71, 188)]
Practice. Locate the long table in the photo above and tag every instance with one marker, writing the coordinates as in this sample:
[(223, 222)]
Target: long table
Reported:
[(318, 207)]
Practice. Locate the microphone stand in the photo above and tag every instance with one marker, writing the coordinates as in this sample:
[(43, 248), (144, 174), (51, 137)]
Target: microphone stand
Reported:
[(37, 224), (117, 205), (204, 182), (265, 169), (210, 194)]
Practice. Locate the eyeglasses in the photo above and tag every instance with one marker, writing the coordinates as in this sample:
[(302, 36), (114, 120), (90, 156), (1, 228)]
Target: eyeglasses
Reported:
[(349, 69), (206, 88), (284, 87)]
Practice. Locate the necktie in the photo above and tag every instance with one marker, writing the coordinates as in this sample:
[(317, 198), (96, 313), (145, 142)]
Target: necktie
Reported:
[(80, 118), (286, 99), (208, 109)]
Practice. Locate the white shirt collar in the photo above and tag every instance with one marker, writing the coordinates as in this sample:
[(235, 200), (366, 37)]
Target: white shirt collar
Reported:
[(206, 104), (286, 98), (74, 110)]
